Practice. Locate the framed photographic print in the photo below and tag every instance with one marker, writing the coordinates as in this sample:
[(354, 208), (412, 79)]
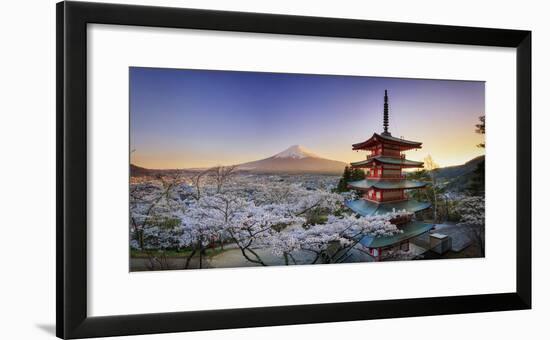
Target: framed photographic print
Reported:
[(224, 169)]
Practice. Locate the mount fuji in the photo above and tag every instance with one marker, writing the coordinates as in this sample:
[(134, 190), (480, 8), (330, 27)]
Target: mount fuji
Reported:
[(295, 159)]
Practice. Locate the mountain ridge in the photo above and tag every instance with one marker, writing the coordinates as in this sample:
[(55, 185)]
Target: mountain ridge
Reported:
[(458, 177), (459, 170)]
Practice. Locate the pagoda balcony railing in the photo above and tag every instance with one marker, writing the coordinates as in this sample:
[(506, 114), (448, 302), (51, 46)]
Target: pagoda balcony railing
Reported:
[(402, 156), (388, 177)]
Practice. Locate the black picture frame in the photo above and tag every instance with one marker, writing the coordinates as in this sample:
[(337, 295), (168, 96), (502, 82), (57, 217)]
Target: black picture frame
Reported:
[(71, 213)]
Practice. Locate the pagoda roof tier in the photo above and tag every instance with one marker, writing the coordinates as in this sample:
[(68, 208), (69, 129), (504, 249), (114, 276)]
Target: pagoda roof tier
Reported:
[(410, 230), (386, 184), (367, 208), (389, 139), (388, 160)]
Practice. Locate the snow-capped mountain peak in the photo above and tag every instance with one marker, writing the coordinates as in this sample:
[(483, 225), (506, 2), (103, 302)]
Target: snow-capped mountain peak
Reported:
[(295, 159), (296, 152)]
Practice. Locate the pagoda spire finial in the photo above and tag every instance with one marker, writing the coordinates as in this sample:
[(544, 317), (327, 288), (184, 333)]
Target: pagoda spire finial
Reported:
[(386, 113)]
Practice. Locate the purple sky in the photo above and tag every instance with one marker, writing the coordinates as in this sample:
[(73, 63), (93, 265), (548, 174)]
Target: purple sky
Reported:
[(200, 118)]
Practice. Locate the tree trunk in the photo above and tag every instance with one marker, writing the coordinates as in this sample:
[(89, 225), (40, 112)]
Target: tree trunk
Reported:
[(435, 205), (139, 238), (190, 257), (200, 256)]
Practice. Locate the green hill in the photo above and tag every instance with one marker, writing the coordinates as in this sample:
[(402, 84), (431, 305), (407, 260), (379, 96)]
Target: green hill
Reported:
[(458, 177)]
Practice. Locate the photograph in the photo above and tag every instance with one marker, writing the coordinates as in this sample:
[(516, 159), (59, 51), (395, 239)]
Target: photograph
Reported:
[(238, 169)]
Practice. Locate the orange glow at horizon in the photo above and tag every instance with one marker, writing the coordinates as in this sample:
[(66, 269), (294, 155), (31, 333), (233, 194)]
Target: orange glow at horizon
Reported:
[(443, 152)]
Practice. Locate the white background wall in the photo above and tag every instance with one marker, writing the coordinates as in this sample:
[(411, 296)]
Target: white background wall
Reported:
[(27, 167)]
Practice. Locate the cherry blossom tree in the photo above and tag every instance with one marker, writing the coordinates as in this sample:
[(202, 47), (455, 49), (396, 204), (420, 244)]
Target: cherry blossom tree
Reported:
[(472, 215), (154, 205), (221, 174), (246, 224), (249, 214), (331, 242)]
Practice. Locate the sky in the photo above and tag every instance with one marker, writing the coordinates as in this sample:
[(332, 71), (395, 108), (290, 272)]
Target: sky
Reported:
[(182, 118)]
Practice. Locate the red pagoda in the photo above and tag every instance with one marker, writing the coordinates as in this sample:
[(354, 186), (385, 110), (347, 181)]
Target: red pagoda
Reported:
[(385, 187)]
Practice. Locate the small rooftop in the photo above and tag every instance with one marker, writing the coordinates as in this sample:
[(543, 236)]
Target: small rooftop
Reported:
[(439, 236)]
